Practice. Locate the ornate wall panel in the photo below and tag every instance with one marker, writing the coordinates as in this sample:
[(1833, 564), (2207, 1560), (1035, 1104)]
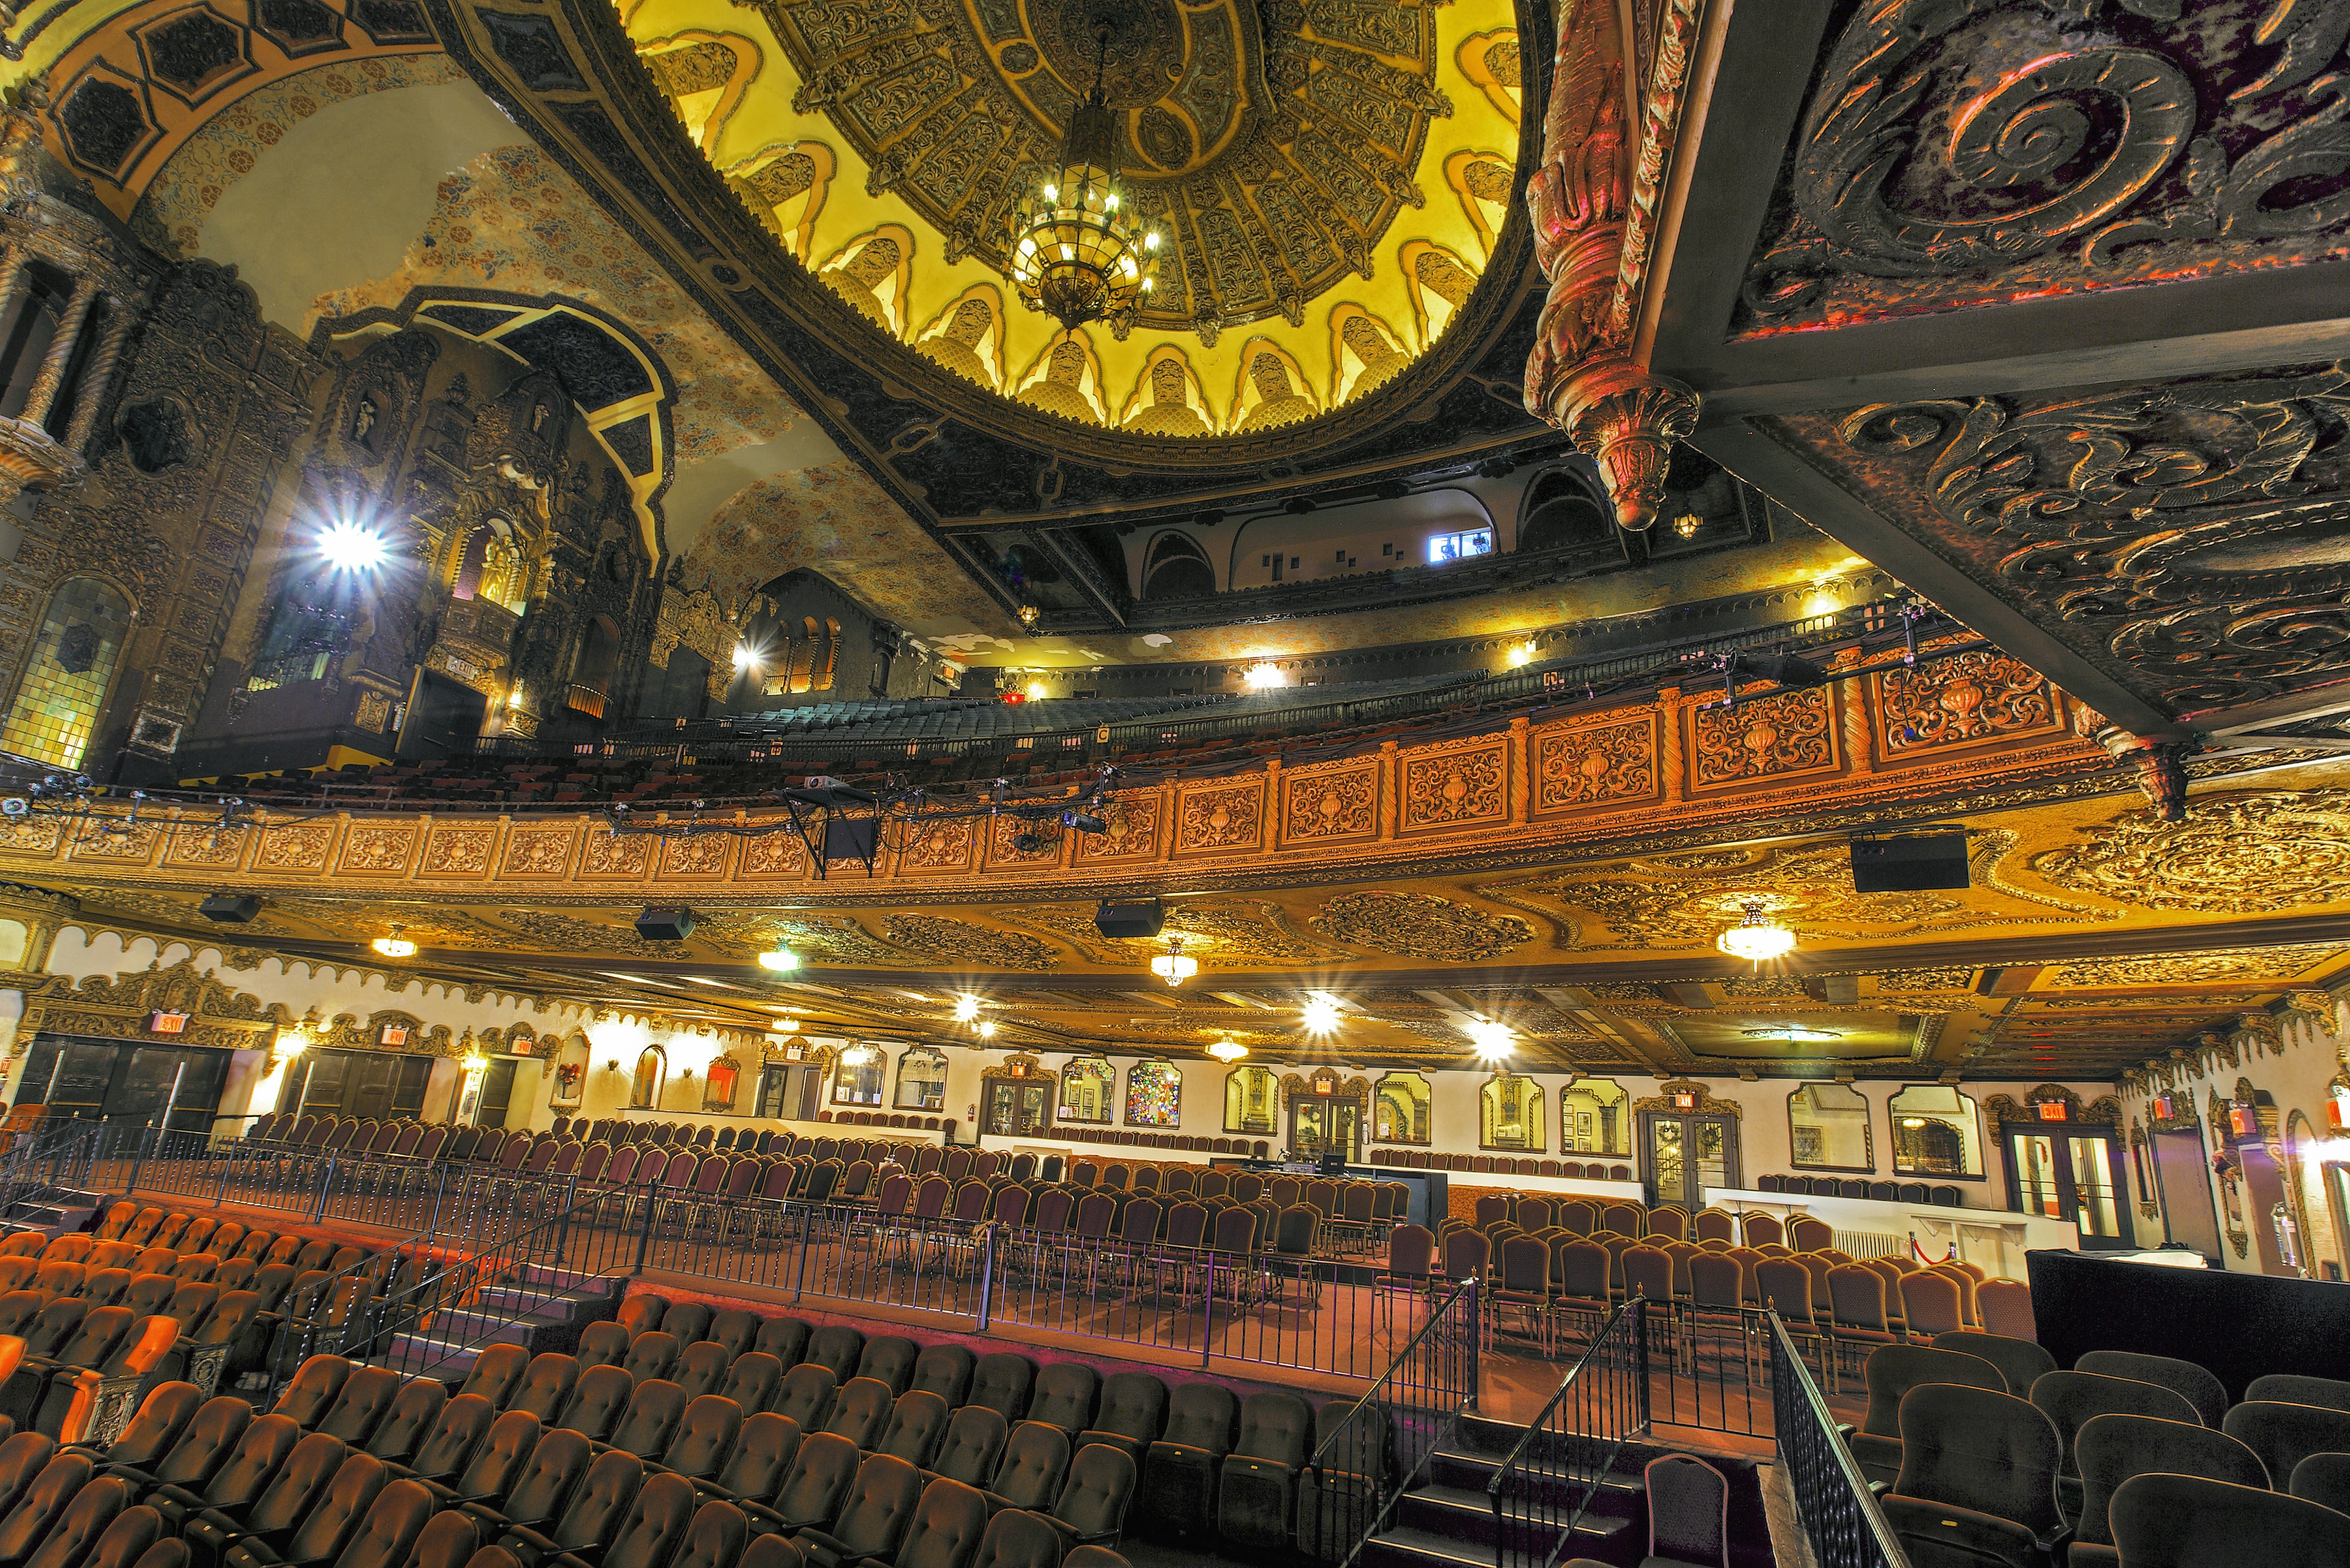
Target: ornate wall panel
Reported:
[(1330, 803), (1132, 831), (378, 851), (700, 859), (301, 847), (1792, 734), (2234, 853), (1967, 154), (1586, 765), (1457, 785), (944, 846), (121, 846), (1214, 818), (1971, 700), (774, 855), (537, 851), (195, 846), (454, 851), (612, 856), (1008, 849)]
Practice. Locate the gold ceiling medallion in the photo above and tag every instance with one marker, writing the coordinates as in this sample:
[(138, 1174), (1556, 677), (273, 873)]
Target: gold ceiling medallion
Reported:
[(1078, 253)]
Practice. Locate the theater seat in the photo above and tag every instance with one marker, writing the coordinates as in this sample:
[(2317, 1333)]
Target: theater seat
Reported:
[(290, 1497), (536, 1494), (2186, 1521), (651, 1356), (1978, 1477), (1891, 1372), (496, 1372), (806, 1394), (918, 1424), (2284, 1435), (594, 1510), (944, 1370), (950, 1519), (713, 1538), (1180, 1471), (812, 1494), (652, 1530), (312, 1392), (873, 1517), (753, 1380), (2110, 1449), (604, 1343), (44, 1502), (414, 1411), (1002, 1381), (761, 1462), (704, 1437), (124, 1544), (1091, 1509), (496, 1462), (972, 1447), (260, 1451), (1018, 1539), (861, 1412), (785, 1339), (449, 1444), (448, 1540), (735, 1331), (1065, 1396), (687, 1321), (700, 1367), (1130, 1415), (156, 1427), (1257, 1484), (547, 1384), (1340, 1492), (597, 1401), (387, 1533), (836, 1347), (363, 1401), (2198, 1385)]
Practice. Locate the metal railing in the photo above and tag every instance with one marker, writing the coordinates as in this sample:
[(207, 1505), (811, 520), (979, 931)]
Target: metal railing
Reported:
[(1840, 1515), (1383, 1446), (1540, 1494), (837, 1250)]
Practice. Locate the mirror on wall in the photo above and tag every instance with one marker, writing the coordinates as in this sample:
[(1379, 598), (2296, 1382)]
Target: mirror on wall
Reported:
[(1936, 1131), (1595, 1117), (1827, 1128), (1089, 1087), (857, 1077), (1400, 1109), (1252, 1101), (1510, 1113), (921, 1079)]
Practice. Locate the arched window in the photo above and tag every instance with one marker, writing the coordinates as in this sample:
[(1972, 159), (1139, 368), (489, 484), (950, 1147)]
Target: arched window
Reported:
[(1176, 568), (1252, 1101), (1400, 1109), (1936, 1131), (720, 1084), (1595, 1117), (66, 677), (1154, 1094), (644, 1089), (1088, 1087), (857, 1081), (1510, 1114), (921, 1079)]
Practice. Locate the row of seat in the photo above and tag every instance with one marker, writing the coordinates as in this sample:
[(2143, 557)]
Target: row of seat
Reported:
[(1985, 1451), (1585, 1216)]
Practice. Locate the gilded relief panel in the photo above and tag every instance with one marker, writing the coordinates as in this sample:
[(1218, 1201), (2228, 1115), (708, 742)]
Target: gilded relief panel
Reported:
[(1016, 845), (1219, 819), (1968, 700), (460, 851), (297, 847), (699, 858), (774, 855), (108, 841), (30, 837), (1334, 802), (1446, 788), (608, 856), (942, 846), (1131, 831), (2241, 853), (201, 846), (373, 850), (1788, 734), (1580, 766), (537, 852)]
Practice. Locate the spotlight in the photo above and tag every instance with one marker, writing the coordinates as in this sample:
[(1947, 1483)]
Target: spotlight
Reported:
[(966, 1008), (351, 549), (394, 946), (1687, 523), (1228, 1050), (780, 958), (745, 657), (665, 925), (1492, 1039), (1035, 692), (987, 1029), (1028, 842), (1321, 1015), (230, 908), (1264, 677), (1521, 654), (1083, 822)]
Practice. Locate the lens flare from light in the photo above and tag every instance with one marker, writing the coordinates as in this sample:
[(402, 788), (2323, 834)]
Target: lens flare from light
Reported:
[(351, 549), (1264, 677), (1321, 1014), (780, 959), (1492, 1039), (1228, 1050), (1756, 937), (966, 1008), (394, 946)]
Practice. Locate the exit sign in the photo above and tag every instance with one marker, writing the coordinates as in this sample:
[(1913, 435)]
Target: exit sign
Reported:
[(2056, 1111), (167, 1023)]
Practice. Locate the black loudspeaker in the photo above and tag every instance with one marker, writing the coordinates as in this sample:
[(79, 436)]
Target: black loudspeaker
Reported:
[(849, 838), (1141, 920), (665, 925), (1912, 864), (230, 908)]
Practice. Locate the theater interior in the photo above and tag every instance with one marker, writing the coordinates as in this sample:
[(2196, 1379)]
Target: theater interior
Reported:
[(1160, 783)]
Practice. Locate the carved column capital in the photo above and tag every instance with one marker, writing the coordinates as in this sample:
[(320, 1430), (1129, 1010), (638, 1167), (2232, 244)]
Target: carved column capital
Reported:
[(1627, 419), (2161, 766)]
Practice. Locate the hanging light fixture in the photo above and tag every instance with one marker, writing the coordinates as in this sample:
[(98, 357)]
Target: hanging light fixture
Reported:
[(394, 946), (780, 958), (1174, 966), (1491, 1038), (1321, 1014), (1077, 254), (987, 1027), (1756, 937), (1228, 1050), (966, 1008)]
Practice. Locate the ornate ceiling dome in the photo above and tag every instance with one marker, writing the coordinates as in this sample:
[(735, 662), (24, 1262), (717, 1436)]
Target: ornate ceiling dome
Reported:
[(1330, 177)]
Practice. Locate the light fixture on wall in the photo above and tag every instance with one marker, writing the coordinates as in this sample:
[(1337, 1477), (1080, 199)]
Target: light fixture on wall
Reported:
[(1489, 1038), (1078, 256), (473, 1062), (394, 945), (1520, 654), (1264, 677), (1228, 1050), (1174, 966), (1756, 936), (349, 548), (294, 1039), (780, 958)]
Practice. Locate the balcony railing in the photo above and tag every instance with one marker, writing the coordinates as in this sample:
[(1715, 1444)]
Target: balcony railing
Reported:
[(584, 699)]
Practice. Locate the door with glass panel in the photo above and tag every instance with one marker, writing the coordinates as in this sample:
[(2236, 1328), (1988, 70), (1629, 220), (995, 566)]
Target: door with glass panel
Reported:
[(1017, 1108), (1319, 1126), (2070, 1174), (1683, 1157)]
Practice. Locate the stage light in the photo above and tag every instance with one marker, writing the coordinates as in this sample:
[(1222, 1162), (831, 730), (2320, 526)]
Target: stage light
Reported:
[(1035, 691), (1083, 822), (1756, 937), (780, 958), (966, 1008), (1228, 1050), (1321, 1014), (1264, 677), (1174, 966), (1491, 1039), (394, 946), (351, 549)]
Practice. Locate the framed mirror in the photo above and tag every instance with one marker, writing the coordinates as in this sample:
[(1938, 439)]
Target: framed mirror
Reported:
[(1510, 1114), (1253, 1101), (1088, 1087), (1936, 1131), (921, 1079), (1595, 1117), (1827, 1128), (1401, 1106)]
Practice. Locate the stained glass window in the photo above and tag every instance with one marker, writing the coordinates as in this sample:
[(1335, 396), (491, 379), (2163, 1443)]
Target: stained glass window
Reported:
[(72, 664), (1154, 1094)]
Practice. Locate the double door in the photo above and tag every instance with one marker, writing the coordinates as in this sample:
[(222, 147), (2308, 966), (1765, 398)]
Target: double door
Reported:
[(1319, 1127), (2071, 1174), (1684, 1157), (1017, 1108)]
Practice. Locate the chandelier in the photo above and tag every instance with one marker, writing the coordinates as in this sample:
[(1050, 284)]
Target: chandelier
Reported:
[(1077, 254), (1756, 937), (1174, 966)]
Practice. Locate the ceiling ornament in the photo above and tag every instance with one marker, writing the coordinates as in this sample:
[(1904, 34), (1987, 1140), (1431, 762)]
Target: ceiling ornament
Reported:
[(1243, 932), (1419, 926), (1273, 145), (2194, 967), (1909, 980), (963, 943), (2246, 853), (1970, 697)]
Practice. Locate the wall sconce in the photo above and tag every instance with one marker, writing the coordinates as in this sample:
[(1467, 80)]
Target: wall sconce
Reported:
[(292, 1041), (474, 1062)]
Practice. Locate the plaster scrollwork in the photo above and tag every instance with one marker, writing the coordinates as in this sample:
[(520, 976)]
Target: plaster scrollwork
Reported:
[(1419, 926), (2242, 852)]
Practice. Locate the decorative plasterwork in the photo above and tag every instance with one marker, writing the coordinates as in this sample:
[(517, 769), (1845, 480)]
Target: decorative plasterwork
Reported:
[(119, 1007), (2105, 1111), (1966, 154), (1704, 1104), (1416, 925), (2243, 853)]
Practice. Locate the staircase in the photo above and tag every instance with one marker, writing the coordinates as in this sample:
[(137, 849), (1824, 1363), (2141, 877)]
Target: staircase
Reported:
[(51, 1211), (533, 1306), (1447, 1520)]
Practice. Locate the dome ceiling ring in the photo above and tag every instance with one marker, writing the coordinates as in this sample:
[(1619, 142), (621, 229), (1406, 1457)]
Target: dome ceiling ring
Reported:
[(1275, 153)]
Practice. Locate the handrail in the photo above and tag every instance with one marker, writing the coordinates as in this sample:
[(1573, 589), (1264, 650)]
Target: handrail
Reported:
[(1403, 1357), (1841, 1516), (1544, 1461)]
